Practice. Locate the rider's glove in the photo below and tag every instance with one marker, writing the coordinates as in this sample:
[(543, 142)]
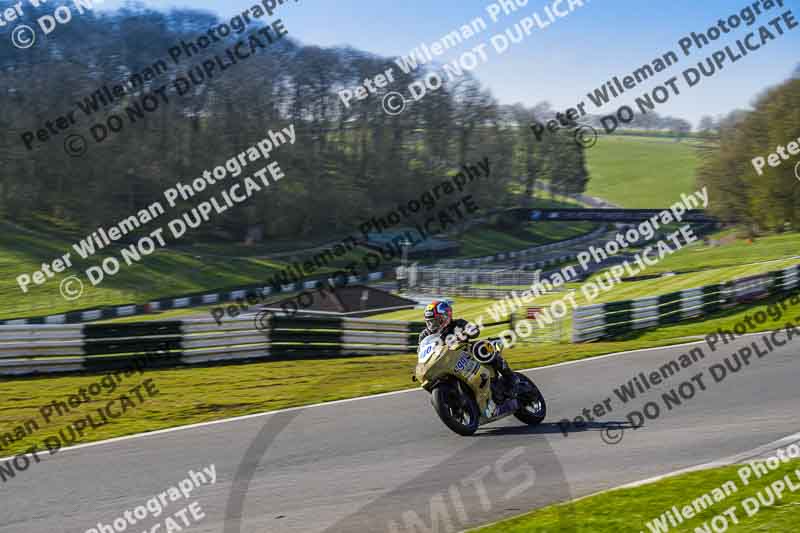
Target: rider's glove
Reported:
[(471, 330)]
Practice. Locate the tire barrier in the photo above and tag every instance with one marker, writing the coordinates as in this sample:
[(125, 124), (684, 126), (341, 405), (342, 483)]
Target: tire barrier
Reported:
[(179, 302), (614, 319), (56, 348)]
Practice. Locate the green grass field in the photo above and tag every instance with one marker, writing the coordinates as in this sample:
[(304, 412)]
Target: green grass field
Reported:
[(185, 270), (740, 252), (631, 509), (487, 241), (635, 172), (641, 172), (199, 394), (165, 273), (727, 262), (655, 169)]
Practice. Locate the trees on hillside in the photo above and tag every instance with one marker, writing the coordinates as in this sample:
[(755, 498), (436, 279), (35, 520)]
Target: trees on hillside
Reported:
[(766, 200), (651, 121), (348, 163)]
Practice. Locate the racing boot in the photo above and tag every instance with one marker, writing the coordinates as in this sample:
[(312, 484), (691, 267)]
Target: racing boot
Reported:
[(508, 379)]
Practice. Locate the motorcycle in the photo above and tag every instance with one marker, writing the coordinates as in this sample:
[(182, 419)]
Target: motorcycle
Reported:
[(466, 392)]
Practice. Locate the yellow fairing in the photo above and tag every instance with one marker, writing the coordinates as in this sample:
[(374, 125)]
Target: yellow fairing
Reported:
[(460, 364)]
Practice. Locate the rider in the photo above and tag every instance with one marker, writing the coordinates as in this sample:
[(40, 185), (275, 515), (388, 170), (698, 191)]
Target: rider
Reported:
[(439, 319)]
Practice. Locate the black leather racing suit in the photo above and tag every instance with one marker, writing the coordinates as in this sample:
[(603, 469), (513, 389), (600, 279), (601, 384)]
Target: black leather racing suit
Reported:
[(462, 330)]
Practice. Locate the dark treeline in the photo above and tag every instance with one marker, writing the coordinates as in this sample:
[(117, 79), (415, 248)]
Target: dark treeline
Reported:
[(347, 164), (651, 121)]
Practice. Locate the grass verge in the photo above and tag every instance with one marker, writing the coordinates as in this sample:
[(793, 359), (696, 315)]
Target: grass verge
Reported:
[(164, 273), (632, 509), (200, 394)]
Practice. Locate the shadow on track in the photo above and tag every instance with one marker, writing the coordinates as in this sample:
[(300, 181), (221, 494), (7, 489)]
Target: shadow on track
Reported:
[(552, 428)]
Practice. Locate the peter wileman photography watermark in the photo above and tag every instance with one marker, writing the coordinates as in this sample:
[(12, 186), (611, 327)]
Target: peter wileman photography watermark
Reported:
[(748, 473), (583, 134), (110, 409), (692, 76), (651, 255), (700, 381), (185, 517), (234, 194), (133, 100), (23, 36), (394, 102), (61, 15), (776, 159), (421, 208)]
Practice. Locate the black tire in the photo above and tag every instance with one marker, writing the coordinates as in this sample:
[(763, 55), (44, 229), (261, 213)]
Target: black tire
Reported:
[(449, 403), (534, 408)]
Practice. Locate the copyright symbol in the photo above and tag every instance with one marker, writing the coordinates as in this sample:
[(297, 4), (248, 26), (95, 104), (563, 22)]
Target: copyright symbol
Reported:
[(586, 136), (68, 292), (23, 36), (612, 434), (390, 105), (75, 145), (262, 320)]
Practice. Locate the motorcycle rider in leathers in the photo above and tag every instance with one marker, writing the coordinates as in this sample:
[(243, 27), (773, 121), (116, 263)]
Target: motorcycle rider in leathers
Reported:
[(439, 319)]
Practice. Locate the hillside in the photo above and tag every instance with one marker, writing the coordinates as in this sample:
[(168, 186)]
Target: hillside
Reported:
[(641, 172)]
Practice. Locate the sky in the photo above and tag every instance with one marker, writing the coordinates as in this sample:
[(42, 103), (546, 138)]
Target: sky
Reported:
[(561, 63)]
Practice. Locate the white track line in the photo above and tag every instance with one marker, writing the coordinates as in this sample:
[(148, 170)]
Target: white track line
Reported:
[(347, 400), (727, 461)]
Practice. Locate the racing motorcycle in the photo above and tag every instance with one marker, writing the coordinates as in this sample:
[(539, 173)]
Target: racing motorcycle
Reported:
[(468, 393)]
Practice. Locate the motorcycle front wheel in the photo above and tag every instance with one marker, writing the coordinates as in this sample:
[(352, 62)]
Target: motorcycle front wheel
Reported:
[(458, 410), (533, 407)]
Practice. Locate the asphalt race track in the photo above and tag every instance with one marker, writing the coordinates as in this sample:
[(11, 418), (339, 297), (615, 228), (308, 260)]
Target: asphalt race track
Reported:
[(384, 463)]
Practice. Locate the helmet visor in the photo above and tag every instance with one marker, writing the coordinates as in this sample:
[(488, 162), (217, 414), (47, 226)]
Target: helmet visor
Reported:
[(435, 323)]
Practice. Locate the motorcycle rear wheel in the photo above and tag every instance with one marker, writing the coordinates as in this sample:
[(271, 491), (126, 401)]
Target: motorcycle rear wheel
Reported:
[(458, 410), (533, 407)]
